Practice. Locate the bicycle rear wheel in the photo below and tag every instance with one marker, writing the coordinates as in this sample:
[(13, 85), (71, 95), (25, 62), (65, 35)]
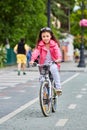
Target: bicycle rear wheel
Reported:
[(45, 101), (54, 98)]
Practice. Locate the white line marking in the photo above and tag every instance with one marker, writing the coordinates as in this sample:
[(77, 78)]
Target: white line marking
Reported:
[(83, 89), (5, 97), (83, 92), (85, 84), (34, 86), (5, 118), (3, 87), (79, 96), (22, 91), (61, 122), (72, 106), (12, 114), (70, 78)]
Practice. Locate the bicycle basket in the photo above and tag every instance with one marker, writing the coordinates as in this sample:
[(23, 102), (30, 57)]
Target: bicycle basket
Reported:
[(44, 70)]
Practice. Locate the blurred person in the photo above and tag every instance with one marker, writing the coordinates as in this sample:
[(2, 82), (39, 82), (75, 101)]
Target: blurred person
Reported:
[(77, 55), (21, 49), (29, 53)]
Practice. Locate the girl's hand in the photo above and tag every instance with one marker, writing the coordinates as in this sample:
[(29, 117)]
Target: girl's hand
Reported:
[(31, 62), (58, 61)]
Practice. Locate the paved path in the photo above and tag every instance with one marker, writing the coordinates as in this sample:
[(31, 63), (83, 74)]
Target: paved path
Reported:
[(9, 77), (72, 66)]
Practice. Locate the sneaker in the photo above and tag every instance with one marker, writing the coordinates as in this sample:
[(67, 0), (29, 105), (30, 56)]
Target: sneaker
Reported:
[(24, 73), (18, 72), (59, 92)]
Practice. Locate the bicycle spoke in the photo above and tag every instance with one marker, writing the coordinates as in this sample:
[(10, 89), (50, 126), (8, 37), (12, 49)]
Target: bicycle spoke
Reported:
[(45, 102)]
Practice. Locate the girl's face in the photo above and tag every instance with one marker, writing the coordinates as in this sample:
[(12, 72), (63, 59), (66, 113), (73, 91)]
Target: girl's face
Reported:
[(46, 36)]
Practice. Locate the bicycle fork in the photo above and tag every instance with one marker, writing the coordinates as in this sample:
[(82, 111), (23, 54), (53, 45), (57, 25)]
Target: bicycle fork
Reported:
[(49, 90)]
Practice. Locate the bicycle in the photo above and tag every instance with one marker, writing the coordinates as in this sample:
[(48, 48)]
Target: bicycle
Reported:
[(47, 94)]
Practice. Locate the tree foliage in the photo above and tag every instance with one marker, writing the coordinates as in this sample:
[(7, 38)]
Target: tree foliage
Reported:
[(62, 12), (21, 18), (3, 58), (24, 18), (75, 18)]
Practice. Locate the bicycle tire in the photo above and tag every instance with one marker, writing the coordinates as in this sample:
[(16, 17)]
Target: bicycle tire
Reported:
[(54, 98), (45, 102)]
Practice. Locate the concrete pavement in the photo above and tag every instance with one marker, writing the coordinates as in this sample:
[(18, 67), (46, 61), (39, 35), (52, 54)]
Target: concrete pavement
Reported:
[(72, 66)]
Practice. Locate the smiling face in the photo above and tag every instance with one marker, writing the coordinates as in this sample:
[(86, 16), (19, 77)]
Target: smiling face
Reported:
[(46, 36)]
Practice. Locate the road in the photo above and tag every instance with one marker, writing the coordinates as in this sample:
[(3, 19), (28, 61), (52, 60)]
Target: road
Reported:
[(20, 109)]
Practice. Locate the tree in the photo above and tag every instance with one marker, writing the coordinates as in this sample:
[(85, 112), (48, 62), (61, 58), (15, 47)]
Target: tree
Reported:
[(75, 18), (21, 18), (62, 12), (24, 18)]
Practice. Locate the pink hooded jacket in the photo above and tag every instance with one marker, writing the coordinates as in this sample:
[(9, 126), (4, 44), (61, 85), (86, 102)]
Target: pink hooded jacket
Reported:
[(42, 51)]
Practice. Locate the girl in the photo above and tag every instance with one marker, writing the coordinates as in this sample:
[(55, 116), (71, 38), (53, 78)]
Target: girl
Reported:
[(48, 49)]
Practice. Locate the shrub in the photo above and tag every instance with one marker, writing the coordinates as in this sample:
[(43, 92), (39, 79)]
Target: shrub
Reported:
[(78, 41), (2, 55)]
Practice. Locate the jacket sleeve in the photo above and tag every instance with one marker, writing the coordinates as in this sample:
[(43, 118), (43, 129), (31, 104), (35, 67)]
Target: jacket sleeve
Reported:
[(58, 52), (35, 54)]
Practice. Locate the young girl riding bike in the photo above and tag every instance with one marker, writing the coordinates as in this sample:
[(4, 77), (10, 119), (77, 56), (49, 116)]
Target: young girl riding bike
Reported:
[(48, 50)]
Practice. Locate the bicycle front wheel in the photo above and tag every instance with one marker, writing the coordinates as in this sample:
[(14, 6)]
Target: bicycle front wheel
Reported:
[(45, 101), (54, 98)]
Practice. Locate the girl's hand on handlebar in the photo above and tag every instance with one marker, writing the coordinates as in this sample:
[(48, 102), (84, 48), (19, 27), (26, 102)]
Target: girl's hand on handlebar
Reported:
[(31, 62), (58, 61)]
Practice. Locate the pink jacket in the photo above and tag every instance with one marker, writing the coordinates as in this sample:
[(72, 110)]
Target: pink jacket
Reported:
[(42, 51)]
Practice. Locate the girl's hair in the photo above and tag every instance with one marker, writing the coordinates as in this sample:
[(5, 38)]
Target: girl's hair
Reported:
[(46, 29)]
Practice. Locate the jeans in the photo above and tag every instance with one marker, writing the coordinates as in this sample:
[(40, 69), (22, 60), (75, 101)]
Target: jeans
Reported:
[(56, 76)]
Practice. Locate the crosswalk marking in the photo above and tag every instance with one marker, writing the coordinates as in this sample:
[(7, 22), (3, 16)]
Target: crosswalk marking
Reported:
[(61, 122), (72, 106), (11, 79), (14, 79), (22, 91), (79, 96), (2, 88), (5, 98), (83, 89)]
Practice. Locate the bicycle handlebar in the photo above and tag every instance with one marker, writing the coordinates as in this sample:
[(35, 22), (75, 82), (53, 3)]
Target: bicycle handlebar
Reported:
[(48, 64)]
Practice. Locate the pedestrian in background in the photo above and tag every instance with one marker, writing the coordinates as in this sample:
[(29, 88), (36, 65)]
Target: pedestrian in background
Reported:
[(48, 50), (29, 53), (21, 49), (77, 55)]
